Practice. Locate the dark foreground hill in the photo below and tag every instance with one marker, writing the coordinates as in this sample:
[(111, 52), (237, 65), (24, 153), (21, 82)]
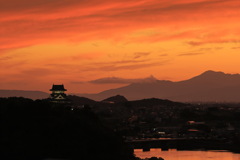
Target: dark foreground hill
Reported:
[(115, 99), (76, 100), (41, 130)]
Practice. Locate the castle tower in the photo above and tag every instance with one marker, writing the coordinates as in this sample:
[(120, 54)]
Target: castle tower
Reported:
[(58, 94)]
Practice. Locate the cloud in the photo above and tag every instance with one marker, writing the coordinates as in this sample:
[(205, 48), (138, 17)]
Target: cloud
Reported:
[(120, 63), (141, 54), (87, 56), (190, 54), (205, 49), (199, 43), (41, 6), (105, 66), (163, 55), (29, 22), (14, 67), (235, 47), (78, 82), (123, 65), (115, 67), (109, 80), (39, 71), (32, 75), (5, 58)]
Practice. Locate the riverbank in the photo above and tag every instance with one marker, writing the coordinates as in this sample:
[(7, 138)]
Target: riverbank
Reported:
[(174, 154)]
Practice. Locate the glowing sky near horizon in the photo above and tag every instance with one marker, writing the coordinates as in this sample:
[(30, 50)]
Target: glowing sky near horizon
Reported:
[(73, 41)]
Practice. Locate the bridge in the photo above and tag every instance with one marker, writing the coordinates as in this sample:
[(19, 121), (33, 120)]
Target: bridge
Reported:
[(178, 143)]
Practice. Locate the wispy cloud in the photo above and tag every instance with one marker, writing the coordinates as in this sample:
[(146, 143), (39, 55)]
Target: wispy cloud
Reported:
[(123, 65), (235, 47), (198, 43), (141, 54), (190, 54), (40, 71), (108, 80), (163, 55), (128, 67), (32, 22), (5, 58)]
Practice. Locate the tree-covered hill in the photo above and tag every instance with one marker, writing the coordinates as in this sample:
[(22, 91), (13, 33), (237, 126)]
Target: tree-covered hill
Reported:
[(41, 129)]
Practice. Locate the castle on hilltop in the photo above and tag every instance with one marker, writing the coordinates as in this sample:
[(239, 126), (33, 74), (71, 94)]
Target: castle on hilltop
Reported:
[(58, 94)]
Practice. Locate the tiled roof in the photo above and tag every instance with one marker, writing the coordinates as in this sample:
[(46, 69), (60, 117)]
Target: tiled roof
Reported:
[(58, 88)]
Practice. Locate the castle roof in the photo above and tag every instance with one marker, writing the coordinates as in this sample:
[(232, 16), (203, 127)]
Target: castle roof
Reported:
[(58, 88)]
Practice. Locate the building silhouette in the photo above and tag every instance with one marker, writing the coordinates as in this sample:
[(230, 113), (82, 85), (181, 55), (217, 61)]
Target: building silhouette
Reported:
[(58, 94)]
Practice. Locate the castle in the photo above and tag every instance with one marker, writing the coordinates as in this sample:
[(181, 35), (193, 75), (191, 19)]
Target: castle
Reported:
[(58, 94)]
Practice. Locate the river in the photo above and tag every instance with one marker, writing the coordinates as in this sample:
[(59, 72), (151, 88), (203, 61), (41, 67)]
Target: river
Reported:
[(187, 155)]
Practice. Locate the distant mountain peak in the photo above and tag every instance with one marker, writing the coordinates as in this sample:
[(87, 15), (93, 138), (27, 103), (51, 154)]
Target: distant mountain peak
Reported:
[(149, 79), (210, 75), (217, 73), (152, 76), (211, 72)]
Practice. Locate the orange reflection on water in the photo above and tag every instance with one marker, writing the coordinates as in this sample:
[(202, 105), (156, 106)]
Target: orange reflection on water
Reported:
[(173, 154)]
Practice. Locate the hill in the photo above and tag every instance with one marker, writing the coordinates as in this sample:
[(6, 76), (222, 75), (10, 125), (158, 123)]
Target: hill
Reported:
[(115, 99), (21, 93), (43, 130), (154, 102), (80, 100)]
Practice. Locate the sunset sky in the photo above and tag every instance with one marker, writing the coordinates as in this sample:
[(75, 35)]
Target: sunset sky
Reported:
[(72, 42)]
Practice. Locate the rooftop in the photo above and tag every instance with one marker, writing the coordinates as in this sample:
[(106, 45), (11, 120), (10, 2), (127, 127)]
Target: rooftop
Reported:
[(58, 88)]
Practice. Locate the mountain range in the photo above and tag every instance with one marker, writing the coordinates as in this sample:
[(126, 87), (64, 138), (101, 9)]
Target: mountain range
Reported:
[(23, 93), (210, 86)]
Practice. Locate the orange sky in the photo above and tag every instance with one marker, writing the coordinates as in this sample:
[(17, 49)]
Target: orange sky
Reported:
[(71, 42)]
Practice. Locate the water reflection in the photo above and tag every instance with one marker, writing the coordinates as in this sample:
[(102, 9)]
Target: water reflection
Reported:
[(173, 154)]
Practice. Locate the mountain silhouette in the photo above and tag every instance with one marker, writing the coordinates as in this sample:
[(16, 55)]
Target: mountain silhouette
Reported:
[(209, 86), (21, 93), (115, 99), (80, 100), (154, 102)]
